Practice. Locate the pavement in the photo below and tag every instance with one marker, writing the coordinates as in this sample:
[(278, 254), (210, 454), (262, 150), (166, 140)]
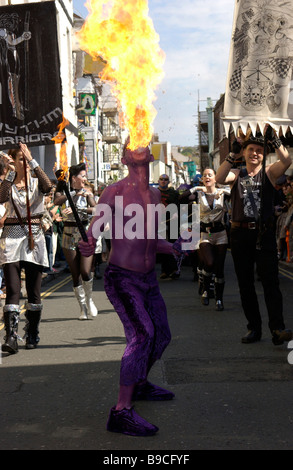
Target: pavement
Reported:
[(228, 395)]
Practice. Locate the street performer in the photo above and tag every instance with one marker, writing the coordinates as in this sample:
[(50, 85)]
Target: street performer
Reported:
[(80, 266), (22, 244), (213, 236), (132, 287), (252, 236)]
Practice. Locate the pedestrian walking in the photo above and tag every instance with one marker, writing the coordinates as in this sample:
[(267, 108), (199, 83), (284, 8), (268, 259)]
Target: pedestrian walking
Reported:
[(281, 211), (169, 196)]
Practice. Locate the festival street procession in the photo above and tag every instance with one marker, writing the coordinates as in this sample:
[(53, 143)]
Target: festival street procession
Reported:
[(146, 233)]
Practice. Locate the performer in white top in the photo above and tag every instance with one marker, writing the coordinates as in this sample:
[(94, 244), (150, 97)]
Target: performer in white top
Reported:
[(22, 243), (213, 237)]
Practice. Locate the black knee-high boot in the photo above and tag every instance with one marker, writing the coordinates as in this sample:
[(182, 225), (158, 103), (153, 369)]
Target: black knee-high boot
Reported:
[(219, 290), (212, 287), (200, 281), (11, 319), (207, 277), (33, 318)]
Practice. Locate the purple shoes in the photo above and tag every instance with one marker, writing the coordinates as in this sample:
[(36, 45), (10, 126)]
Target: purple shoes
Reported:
[(150, 392), (130, 423)]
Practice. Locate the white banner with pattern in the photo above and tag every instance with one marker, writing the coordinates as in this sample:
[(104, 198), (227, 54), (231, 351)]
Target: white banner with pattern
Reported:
[(259, 87)]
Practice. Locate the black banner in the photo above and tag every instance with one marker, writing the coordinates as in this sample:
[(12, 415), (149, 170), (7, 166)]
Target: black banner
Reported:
[(30, 82)]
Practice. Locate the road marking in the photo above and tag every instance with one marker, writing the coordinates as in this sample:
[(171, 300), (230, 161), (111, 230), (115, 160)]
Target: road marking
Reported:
[(285, 273), (56, 287)]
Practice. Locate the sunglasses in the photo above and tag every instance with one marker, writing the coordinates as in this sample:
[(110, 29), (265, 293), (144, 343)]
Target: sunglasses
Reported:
[(164, 179)]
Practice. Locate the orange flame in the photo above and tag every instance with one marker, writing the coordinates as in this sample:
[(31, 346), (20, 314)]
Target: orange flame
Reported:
[(60, 138), (122, 33)]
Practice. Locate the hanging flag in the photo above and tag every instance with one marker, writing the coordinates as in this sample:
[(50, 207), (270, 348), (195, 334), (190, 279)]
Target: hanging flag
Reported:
[(30, 83), (259, 87)]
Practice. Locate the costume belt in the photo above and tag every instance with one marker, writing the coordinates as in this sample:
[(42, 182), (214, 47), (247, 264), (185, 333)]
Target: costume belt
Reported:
[(13, 221), (212, 227), (245, 225), (74, 224)]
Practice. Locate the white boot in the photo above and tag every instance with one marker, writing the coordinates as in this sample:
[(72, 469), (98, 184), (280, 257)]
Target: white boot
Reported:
[(88, 289), (80, 295)]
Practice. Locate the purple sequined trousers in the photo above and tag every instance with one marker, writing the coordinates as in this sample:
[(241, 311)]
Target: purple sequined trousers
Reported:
[(137, 300)]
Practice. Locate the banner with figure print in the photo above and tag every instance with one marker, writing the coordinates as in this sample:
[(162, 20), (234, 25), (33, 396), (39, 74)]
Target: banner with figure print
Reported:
[(259, 86), (30, 83)]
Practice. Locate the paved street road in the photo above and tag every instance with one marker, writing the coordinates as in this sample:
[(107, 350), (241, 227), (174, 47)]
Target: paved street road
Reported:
[(229, 396)]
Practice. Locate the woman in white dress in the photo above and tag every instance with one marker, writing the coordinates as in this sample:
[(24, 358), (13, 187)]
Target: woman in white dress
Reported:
[(23, 196)]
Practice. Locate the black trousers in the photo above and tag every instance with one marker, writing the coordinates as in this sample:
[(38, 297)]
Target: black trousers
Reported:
[(246, 256)]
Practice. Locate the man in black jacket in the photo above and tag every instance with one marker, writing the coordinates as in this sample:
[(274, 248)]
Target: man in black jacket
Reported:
[(253, 238)]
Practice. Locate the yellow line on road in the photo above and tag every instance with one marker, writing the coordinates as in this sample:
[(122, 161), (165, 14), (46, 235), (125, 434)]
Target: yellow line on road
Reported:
[(285, 273), (56, 287)]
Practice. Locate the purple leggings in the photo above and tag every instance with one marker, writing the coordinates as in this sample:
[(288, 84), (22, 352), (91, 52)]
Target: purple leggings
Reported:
[(137, 300)]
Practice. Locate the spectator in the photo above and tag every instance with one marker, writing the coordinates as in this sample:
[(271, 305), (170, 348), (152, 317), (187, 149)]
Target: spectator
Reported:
[(169, 196)]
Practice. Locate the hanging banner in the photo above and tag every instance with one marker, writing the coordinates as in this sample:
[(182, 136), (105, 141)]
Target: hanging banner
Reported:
[(30, 83), (259, 86)]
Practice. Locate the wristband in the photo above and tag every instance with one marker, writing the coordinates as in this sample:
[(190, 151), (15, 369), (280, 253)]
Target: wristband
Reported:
[(193, 190), (230, 158), (277, 143), (33, 164), (10, 176), (3, 154)]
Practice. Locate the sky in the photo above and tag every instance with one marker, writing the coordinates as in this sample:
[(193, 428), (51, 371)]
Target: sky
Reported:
[(195, 36)]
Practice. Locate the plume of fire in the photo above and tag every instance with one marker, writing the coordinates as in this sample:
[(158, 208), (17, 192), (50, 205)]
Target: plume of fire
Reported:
[(60, 139), (122, 34)]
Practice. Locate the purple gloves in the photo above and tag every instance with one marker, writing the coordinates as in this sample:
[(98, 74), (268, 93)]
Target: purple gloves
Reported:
[(87, 248)]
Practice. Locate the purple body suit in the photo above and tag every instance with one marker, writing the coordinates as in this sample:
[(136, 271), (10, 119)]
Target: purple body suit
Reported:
[(138, 302)]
